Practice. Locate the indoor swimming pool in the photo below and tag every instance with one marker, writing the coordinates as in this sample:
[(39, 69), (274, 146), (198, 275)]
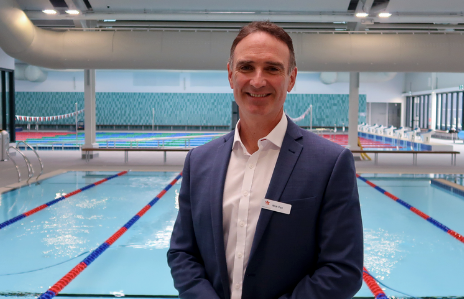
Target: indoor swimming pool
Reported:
[(402, 250)]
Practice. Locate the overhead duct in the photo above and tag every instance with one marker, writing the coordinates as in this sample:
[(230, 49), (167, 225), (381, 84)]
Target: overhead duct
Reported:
[(190, 50), (30, 73), (332, 77)]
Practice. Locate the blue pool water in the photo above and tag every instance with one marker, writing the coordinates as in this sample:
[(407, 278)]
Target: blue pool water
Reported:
[(402, 250)]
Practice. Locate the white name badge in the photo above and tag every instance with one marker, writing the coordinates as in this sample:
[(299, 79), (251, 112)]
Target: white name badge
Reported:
[(276, 206)]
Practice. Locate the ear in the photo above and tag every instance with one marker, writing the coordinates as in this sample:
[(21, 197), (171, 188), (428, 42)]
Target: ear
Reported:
[(292, 79), (229, 76)]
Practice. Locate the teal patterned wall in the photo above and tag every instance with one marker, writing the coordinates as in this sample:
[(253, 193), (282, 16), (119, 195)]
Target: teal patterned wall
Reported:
[(195, 109), (328, 109)]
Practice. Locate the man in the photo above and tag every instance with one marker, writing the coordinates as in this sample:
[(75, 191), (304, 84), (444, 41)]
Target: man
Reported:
[(268, 210)]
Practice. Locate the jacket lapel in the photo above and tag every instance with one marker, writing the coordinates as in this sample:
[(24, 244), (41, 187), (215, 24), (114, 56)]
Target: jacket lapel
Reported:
[(218, 177), (288, 156)]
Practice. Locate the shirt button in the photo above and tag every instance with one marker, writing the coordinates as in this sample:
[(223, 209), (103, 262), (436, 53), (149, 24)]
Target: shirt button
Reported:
[(237, 286), (245, 193), (251, 166), (240, 255), (242, 224)]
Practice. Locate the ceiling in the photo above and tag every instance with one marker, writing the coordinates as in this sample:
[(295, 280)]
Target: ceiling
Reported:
[(294, 15)]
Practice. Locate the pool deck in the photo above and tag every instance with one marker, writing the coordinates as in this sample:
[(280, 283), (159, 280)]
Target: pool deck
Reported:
[(56, 162)]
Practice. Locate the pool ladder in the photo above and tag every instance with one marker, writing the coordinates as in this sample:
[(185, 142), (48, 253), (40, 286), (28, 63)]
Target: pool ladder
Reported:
[(30, 169)]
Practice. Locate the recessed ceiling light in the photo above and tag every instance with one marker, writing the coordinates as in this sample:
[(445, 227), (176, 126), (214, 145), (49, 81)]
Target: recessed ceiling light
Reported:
[(49, 11), (385, 15), (72, 12), (109, 20), (362, 14)]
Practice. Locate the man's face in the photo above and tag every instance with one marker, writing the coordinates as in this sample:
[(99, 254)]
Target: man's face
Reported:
[(259, 75)]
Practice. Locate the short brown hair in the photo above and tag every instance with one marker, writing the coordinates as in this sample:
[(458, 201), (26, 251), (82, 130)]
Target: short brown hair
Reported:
[(269, 28)]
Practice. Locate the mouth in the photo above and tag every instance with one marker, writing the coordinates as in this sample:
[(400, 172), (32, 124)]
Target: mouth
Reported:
[(258, 95)]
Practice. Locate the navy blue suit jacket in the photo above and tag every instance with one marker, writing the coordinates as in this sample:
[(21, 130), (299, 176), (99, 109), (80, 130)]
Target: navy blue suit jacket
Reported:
[(314, 252)]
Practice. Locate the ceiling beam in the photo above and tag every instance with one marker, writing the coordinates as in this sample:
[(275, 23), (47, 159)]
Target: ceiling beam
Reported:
[(213, 25), (322, 17)]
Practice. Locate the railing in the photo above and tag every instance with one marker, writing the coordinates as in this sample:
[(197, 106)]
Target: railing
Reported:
[(112, 142), (158, 139), (38, 158), (30, 170)]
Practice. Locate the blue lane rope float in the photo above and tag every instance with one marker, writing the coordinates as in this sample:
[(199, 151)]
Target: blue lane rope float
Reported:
[(65, 280), (50, 203), (414, 210)]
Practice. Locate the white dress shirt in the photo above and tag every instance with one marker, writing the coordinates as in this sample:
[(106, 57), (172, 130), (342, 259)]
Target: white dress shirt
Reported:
[(246, 184)]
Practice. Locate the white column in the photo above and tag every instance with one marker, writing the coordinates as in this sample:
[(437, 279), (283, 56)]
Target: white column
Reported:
[(403, 111), (386, 115), (89, 111), (353, 111)]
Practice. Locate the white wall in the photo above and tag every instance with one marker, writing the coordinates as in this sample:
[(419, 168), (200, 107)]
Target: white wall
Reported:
[(418, 82), (200, 82), (6, 62)]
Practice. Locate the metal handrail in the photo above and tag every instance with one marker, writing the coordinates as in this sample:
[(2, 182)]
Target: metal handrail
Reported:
[(54, 143), (30, 170), (38, 157)]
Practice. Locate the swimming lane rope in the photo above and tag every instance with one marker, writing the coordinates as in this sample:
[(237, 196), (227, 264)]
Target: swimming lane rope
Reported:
[(382, 284), (414, 210), (65, 280), (50, 203), (373, 286)]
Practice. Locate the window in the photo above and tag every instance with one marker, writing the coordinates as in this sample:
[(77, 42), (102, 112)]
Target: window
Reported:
[(438, 123), (449, 107), (459, 112), (443, 111), (422, 113)]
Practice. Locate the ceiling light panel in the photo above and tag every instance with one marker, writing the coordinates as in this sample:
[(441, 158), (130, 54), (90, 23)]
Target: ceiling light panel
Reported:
[(362, 14), (49, 11), (72, 12)]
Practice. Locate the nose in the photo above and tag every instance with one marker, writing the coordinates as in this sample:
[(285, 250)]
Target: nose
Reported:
[(258, 80)]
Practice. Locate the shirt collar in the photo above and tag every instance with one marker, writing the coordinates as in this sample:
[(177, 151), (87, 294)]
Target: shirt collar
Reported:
[(276, 136)]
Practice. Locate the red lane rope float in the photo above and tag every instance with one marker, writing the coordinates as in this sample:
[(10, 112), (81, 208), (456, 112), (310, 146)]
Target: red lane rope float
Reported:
[(373, 286), (50, 203), (57, 287), (414, 210)]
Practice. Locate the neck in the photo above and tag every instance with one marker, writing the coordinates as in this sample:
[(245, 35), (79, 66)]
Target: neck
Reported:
[(254, 128)]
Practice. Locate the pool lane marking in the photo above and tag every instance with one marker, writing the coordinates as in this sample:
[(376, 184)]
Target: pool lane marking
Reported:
[(372, 285), (414, 210), (50, 203), (65, 280)]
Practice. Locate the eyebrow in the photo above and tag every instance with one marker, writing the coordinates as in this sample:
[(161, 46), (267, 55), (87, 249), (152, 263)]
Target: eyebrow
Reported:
[(277, 64)]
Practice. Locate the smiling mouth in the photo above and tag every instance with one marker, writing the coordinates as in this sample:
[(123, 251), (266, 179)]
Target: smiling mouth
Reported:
[(254, 95)]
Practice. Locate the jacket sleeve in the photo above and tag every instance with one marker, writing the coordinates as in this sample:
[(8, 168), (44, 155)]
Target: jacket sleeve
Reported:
[(183, 256), (340, 239)]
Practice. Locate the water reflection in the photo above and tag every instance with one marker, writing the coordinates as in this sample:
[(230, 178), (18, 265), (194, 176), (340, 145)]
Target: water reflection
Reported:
[(382, 251)]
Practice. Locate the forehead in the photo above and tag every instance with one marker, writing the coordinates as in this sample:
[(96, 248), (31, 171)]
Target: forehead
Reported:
[(261, 45)]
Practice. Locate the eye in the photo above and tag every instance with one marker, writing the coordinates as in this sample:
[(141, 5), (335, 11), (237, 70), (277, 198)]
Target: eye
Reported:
[(273, 69), (245, 67)]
